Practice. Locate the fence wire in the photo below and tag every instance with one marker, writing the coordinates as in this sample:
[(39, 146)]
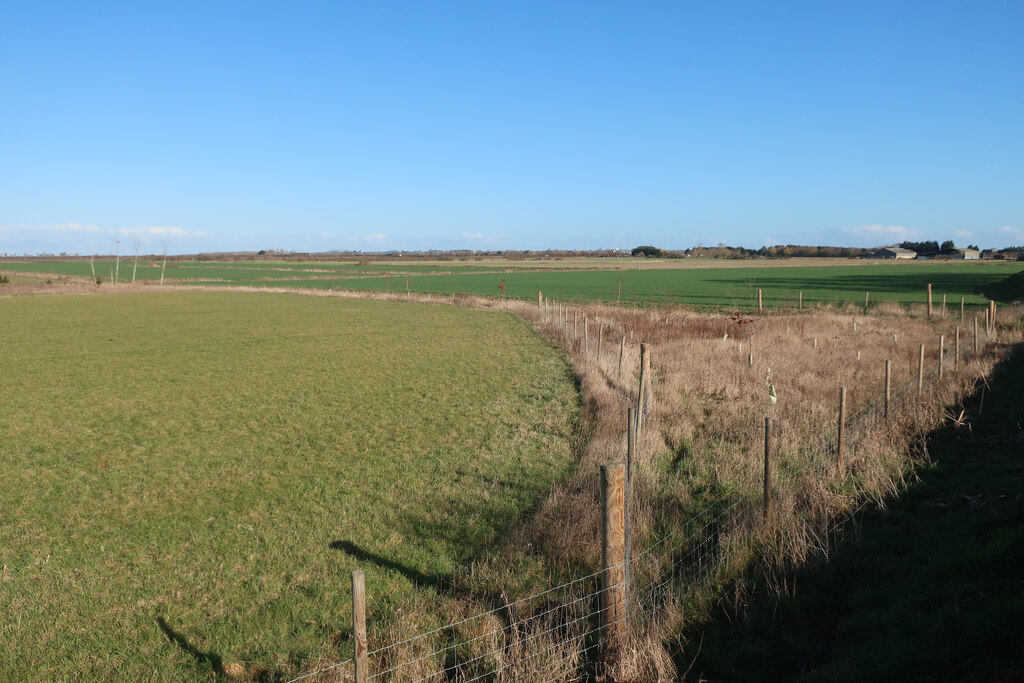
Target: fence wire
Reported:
[(560, 629)]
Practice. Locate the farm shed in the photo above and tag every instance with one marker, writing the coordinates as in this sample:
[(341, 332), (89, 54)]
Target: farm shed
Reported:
[(894, 253)]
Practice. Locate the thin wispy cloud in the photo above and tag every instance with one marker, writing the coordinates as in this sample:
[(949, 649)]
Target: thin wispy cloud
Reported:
[(883, 233), (78, 228), (479, 236)]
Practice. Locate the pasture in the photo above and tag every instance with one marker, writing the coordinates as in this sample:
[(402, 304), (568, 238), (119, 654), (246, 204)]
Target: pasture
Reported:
[(194, 474), (701, 284), (190, 477)]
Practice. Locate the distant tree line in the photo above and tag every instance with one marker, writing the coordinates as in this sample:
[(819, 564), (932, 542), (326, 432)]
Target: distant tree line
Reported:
[(724, 251), (933, 247)]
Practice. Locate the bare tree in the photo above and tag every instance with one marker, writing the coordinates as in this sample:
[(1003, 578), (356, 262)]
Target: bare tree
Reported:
[(92, 267), (117, 260)]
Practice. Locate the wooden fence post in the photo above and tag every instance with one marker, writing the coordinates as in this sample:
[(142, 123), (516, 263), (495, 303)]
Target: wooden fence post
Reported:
[(866, 294), (975, 333), (943, 316), (760, 305), (800, 301), (613, 560), (841, 427), (929, 301), (359, 625), (767, 469), (920, 372), (991, 319), (961, 309), (540, 300), (888, 387), (586, 336)]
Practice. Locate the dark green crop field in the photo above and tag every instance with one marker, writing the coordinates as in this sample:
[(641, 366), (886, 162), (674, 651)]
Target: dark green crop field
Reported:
[(734, 288), (190, 477), (696, 283)]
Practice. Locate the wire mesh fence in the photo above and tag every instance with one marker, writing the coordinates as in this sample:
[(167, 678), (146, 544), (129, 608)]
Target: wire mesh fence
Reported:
[(559, 630)]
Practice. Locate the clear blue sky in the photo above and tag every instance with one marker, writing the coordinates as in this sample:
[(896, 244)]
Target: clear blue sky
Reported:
[(532, 125)]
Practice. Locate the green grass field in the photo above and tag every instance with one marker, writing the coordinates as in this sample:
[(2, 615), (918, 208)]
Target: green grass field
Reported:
[(190, 477), (700, 284), (715, 287)]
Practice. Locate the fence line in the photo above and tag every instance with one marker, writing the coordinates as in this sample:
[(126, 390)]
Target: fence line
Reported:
[(563, 621)]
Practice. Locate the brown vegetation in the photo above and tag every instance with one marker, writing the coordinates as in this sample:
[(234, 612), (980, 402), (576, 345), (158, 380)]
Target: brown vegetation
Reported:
[(702, 444)]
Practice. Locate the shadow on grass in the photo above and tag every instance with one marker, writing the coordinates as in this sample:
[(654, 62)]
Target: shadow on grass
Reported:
[(928, 587), (439, 584), (211, 659), (434, 582)]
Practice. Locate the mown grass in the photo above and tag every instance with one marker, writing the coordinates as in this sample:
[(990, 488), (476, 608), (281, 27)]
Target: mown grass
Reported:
[(189, 477)]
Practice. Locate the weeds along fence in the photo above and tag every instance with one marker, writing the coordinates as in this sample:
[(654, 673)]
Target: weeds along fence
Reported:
[(580, 629)]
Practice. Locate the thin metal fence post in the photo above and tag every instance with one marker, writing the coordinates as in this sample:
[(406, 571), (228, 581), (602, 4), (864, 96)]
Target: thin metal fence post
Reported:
[(622, 351), (767, 469), (956, 350), (643, 399), (841, 427), (920, 371), (942, 345), (888, 387)]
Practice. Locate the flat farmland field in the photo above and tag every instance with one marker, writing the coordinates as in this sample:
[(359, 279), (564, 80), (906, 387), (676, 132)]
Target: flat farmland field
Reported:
[(190, 477), (712, 287), (701, 284)]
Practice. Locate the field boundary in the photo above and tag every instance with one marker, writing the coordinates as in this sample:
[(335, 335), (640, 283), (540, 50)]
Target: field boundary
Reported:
[(561, 628)]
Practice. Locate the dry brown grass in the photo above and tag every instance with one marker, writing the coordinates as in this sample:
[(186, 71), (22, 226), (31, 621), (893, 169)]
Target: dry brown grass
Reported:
[(702, 444), (704, 432)]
